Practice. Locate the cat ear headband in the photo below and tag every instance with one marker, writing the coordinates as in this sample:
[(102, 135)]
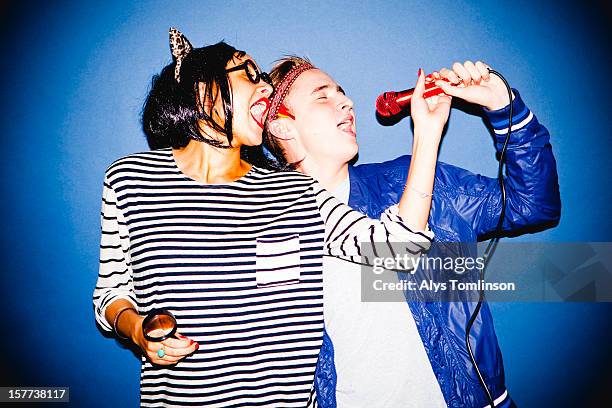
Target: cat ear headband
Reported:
[(180, 47)]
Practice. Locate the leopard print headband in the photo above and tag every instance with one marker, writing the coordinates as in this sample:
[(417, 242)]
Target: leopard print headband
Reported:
[(180, 47)]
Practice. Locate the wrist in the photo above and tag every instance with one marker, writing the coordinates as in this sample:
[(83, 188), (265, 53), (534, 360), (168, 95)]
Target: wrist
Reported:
[(126, 323), (500, 102), (135, 329), (426, 139)]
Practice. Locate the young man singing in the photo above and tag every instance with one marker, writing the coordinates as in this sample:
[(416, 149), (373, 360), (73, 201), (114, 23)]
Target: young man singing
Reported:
[(410, 354)]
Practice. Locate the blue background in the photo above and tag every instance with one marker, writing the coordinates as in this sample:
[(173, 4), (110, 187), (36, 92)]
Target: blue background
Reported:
[(74, 76)]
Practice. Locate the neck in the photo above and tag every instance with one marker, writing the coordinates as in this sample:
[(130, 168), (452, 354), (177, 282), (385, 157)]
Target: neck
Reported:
[(329, 174), (210, 165)]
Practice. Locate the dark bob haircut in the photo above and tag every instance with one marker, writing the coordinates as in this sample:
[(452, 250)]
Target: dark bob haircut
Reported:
[(173, 111)]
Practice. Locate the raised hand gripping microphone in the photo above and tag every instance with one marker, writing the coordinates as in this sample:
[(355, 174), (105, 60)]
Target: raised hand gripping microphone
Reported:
[(392, 103)]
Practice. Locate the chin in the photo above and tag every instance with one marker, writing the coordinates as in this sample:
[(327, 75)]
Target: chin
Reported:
[(254, 137), (255, 141), (347, 153)]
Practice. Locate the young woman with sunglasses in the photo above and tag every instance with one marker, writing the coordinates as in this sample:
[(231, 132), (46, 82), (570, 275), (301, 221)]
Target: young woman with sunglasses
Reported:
[(200, 227)]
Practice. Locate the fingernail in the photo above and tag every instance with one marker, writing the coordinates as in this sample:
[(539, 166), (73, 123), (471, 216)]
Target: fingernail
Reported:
[(420, 72), (197, 346)]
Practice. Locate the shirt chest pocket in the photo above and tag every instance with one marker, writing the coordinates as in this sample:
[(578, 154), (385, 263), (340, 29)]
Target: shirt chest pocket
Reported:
[(277, 261)]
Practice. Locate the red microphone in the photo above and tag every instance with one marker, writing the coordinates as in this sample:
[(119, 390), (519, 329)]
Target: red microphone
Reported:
[(389, 104)]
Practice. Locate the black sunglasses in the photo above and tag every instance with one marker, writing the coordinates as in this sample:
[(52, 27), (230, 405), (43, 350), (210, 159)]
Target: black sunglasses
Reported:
[(252, 72)]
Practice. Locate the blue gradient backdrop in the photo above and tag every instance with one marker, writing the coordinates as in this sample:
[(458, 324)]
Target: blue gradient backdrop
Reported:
[(74, 78)]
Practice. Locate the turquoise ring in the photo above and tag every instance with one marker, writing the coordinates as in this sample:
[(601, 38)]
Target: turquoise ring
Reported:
[(161, 353)]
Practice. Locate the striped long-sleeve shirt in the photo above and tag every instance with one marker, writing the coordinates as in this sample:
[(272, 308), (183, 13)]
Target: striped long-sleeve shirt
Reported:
[(238, 264)]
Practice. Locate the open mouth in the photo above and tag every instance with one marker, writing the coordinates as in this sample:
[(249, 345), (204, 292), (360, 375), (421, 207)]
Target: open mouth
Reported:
[(259, 110), (346, 125)]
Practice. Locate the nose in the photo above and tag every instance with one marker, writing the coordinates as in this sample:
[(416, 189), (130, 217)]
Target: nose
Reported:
[(345, 103)]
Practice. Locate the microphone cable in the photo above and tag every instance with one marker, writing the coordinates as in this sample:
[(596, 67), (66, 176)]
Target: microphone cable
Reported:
[(490, 249)]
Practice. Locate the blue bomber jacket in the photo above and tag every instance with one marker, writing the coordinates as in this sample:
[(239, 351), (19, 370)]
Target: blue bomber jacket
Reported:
[(465, 207)]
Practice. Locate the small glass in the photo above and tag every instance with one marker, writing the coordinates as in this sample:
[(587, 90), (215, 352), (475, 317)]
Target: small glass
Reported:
[(159, 325)]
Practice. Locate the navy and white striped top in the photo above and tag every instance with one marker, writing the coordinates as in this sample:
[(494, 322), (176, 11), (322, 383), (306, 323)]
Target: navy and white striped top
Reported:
[(238, 264)]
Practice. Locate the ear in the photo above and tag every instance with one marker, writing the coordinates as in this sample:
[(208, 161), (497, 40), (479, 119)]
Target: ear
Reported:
[(281, 130), (288, 138), (201, 92), (206, 105), (203, 105)]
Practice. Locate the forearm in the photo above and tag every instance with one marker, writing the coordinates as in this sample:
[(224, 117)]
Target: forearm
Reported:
[(346, 230), (415, 203), (531, 180), (129, 321)]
